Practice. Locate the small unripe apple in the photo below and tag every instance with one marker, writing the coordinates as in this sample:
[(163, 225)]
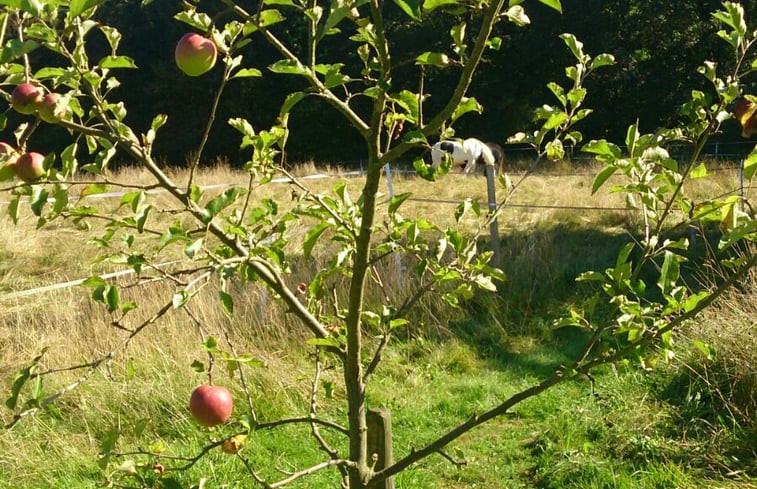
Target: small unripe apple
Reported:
[(195, 54), (52, 108), (30, 166), (25, 98), (7, 150), (211, 405)]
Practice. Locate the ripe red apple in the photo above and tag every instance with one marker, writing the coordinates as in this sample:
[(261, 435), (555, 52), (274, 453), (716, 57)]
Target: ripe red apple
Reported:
[(746, 113), (30, 166), (211, 404), (52, 108), (25, 98), (195, 54)]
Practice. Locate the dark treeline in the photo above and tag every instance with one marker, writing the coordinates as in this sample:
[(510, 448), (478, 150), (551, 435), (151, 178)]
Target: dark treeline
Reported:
[(658, 46)]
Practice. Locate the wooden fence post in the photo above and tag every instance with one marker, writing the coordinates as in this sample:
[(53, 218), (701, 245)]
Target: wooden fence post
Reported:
[(380, 441), (491, 175)]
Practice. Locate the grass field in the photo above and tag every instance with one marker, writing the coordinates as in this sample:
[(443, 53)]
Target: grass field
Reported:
[(688, 423)]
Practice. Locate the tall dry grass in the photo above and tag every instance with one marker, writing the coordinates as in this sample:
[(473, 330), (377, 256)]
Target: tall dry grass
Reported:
[(555, 230), (553, 224)]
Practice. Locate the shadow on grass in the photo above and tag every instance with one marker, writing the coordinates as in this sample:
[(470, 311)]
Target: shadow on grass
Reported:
[(513, 331)]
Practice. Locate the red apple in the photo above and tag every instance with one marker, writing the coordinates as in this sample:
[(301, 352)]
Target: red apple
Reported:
[(52, 108), (25, 98), (746, 113), (195, 54), (30, 166), (211, 404)]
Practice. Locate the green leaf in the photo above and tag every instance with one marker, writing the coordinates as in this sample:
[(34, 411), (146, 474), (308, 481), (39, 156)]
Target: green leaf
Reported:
[(411, 7), (555, 4), (467, 105), (7, 172), (227, 303), (603, 59), (555, 120), (430, 5), (210, 344), (433, 59), (312, 237), (699, 171), (112, 298), (555, 150), (194, 248), (14, 49), (93, 189), (558, 92), (602, 177), (603, 148), (80, 6), (576, 47), (198, 366), (288, 66), (291, 100), (733, 16), (224, 200), (198, 20), (327, 342), (750, 165), (116, 62), (397, 201), (38, 200), (396, 323), (425, 171), (669, 272), (18, 383), (517, 15), (247, 73)]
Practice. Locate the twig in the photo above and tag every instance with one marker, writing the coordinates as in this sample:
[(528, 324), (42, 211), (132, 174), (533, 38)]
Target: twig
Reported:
[(377, 356), (312, 470), (456, 463), (304, 419), (242, 378), (93, 367), (313, 404)]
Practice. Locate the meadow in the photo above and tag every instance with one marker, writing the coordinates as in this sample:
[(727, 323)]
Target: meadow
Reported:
[(688, 422)]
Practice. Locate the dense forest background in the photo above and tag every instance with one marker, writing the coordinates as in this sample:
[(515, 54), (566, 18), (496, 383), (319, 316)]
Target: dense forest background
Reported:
[(658, 45)]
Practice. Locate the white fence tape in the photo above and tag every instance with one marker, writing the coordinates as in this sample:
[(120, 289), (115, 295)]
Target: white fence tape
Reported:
[(73, 283)]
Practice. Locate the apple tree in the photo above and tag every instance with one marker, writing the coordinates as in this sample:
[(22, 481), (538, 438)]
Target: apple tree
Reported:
[(230, 239)]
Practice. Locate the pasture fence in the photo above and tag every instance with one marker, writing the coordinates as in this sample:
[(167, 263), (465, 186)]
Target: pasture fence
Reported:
[(389, 172)]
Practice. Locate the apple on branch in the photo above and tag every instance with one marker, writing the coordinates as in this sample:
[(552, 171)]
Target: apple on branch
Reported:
[(26, 97), (195, 54), (211, 405), (30, 166), (52, 108)]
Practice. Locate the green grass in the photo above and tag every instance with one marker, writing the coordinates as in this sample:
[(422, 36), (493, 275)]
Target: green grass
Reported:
[(616, 436), (629, 429)]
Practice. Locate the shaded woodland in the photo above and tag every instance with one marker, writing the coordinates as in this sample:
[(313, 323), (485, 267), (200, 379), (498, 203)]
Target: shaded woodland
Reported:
[(658, 46)]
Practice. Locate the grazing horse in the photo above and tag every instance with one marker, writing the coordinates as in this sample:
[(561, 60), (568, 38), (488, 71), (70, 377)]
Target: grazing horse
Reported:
[(469, 152)]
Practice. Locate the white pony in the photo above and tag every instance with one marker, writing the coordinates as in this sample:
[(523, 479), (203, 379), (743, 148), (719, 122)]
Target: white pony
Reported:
[(469, 152)]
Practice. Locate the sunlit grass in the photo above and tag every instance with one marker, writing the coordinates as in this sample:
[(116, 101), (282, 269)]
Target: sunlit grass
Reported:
[(449, 366)]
